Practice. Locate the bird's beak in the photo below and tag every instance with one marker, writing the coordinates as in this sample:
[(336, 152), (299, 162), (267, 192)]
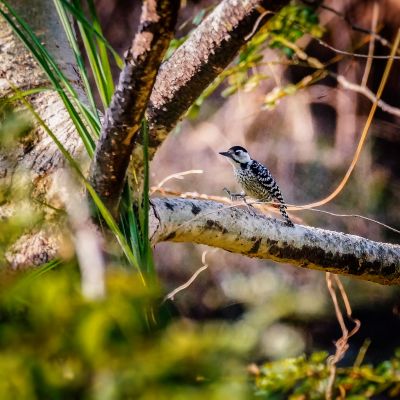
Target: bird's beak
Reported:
[(225, 154)]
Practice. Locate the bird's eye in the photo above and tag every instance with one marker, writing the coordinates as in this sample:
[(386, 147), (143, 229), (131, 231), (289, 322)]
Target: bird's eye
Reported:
[(237, 152)]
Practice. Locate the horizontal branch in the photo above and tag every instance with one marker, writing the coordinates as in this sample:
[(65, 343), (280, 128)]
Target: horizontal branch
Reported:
[(194, 65), (124, 115), (236, 230)]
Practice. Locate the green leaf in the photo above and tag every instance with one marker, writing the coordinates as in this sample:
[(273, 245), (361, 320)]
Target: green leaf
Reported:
[(229, 91), (96, 52), (199, 17), (173, 45), (69, 31)]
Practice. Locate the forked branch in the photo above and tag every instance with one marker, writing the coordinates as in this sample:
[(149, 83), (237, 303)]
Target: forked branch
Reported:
[(194, 65), (124, 115)]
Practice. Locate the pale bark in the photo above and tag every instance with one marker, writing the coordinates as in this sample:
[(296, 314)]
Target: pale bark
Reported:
[(37, 154), (36, 157), (237, 230)]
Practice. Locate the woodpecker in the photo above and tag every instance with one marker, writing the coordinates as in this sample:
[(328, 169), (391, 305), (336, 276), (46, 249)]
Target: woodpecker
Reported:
[(255, 179)]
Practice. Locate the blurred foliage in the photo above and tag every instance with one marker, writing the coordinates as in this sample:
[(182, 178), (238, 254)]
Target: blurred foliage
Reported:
[(14, 124), (283, 29), (304, 378), (291, 23), (55, 344)]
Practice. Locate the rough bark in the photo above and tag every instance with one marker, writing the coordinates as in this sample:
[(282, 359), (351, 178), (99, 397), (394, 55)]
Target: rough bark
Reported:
[(36, 157), (36, 163), (195, 65), (37, 154), (238, 231), (123, 117)]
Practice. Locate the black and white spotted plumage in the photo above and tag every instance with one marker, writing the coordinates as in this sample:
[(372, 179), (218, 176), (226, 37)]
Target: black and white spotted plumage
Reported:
[(255, 179)]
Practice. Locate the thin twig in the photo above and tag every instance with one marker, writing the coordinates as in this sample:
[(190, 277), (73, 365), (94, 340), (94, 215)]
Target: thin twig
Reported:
[(301, 54), (171, 295), (342, 343), (354, 27), (349, 216), (257, 23), (178, 175), (357, 55), (190, 195), (367, 93), (361, 354)]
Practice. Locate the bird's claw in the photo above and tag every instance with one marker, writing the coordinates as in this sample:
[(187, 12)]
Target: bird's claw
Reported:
[(250, 208), (241, 196), (235, 196)]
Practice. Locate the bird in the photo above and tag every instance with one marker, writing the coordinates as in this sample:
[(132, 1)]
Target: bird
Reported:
[(255, 179)]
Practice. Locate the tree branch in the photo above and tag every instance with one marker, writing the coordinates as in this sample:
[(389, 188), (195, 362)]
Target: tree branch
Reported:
[(123, 117), (236, 230), (195, 65), (367, 93)]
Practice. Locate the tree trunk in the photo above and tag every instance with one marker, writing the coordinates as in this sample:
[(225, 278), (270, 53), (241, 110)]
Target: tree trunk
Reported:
[(36, 157)]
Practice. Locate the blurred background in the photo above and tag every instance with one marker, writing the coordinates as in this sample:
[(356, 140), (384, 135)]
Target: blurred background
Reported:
[(212, 338), (307, 139)]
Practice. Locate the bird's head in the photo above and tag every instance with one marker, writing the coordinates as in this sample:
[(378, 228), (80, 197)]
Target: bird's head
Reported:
[(237, 155)]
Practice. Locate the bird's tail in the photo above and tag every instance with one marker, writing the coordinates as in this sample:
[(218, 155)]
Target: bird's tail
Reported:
[(285, 215), (276, 193)]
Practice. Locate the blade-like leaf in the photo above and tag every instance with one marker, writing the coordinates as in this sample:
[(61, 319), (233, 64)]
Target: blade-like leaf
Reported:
[(96, 199), (103, 81), (69, 31), (78, 14), (105, 62), (56, 77)]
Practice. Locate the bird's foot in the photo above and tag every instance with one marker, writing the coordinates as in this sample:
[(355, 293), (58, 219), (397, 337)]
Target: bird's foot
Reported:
[(235, 196), (241, 196), (250, 207)]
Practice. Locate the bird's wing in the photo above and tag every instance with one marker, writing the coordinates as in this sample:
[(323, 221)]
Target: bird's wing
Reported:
[(266, 179)]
